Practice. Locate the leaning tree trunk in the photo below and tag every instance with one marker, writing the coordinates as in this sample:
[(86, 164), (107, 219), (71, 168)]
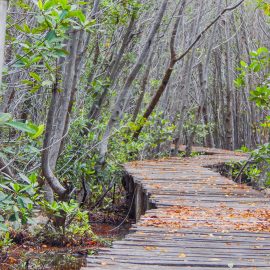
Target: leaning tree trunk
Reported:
[(118, 107)]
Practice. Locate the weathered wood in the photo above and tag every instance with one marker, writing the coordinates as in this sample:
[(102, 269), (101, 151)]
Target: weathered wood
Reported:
[(138, 201), (202, 220)]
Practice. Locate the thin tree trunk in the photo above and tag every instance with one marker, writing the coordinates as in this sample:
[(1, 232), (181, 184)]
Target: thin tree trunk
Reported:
[(3, 16), (229, 85), (218, 98), (185, 88), (143, 89), (4, 167)]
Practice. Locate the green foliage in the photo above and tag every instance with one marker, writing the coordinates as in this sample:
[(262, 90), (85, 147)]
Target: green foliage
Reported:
[(258, 166), (262, 153), (17, 200), (118, 13), (156, 131), (5, 241), (31, 129), (261, 96), (67, 217), (47, 39), (201, 129), (265, 6), (17, 196), (258, 66), (253, 173), (245, 149), (155, 83)]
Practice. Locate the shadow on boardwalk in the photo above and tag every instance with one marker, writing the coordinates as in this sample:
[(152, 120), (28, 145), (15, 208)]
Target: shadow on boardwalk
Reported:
[(202, 220)]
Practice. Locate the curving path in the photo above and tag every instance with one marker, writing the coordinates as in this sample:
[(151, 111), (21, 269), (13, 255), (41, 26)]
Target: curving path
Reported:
[(202, 220)]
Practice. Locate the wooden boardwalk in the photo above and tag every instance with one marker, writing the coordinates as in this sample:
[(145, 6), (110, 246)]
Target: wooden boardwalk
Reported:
[(202, 220)]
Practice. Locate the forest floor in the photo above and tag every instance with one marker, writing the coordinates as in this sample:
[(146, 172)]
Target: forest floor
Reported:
[(30, 254)]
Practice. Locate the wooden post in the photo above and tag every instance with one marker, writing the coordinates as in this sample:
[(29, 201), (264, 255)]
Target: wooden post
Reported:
[(138, 202), (137, 198)]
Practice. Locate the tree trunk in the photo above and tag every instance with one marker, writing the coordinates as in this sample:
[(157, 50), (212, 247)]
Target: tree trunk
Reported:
[(143, 89), (229, 85), (57, 118), (3, 16)]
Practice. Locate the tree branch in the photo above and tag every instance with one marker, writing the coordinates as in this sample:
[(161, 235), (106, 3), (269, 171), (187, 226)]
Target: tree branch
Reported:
[(207, 28)]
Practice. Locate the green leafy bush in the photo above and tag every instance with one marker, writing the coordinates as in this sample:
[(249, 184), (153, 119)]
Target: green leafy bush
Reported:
[(67, 223)]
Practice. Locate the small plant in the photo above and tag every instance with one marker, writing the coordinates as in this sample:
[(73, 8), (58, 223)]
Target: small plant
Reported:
[(196, 154), (67, 223), (245, 149), (267, 181), (202, 130), (253, 172), (5, 241)]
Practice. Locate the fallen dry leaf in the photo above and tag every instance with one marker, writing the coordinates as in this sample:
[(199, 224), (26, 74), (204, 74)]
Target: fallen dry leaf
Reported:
[(182, 255), (150, 248)]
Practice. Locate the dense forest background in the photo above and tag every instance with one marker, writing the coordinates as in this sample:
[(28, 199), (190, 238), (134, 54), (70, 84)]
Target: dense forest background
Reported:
[(88, 86)]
